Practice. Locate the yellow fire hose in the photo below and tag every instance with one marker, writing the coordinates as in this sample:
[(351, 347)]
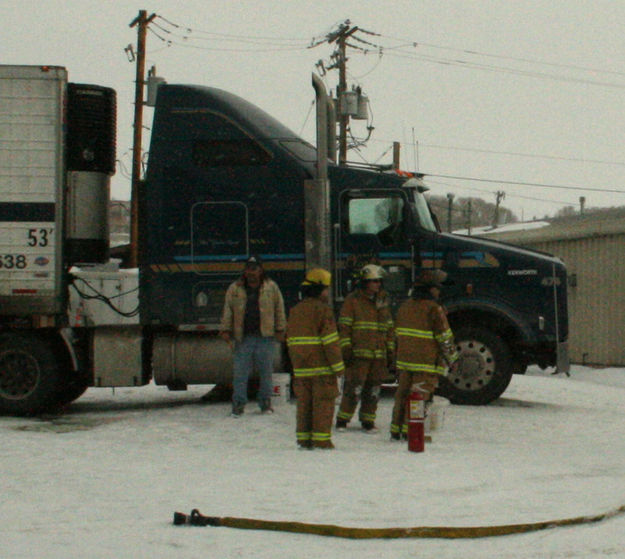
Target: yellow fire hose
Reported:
[(446, 532)]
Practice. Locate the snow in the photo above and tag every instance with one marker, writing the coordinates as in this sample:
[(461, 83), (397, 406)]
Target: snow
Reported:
[(505, 228), (104, 479)]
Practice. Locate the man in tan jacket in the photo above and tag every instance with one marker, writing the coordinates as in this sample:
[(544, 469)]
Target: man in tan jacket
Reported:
[(425, 345), (253, 318), (313, 344), (367, 342)]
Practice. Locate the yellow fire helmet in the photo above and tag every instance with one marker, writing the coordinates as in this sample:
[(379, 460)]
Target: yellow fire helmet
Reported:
[(372, 272), (318, 276)]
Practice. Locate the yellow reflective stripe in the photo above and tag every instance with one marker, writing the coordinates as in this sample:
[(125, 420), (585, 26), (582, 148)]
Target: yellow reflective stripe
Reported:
[(370, 353), (421, 367), (362, 325), (330, 338), (444, 336), (303, 435), (346, 320), (321, 436), (303, 340), (344, 342), (395, 428), (312, 371), (367, 416), (344, 415), (338, 367), (412, 332)]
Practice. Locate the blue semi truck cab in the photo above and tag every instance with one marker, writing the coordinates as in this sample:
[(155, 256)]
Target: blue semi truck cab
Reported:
[(225, 180)]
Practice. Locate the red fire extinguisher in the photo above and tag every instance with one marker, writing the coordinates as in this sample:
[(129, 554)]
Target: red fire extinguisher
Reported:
[(416, 419)]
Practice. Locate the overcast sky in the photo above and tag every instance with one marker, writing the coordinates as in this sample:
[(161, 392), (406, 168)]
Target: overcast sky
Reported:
[(504, 91)]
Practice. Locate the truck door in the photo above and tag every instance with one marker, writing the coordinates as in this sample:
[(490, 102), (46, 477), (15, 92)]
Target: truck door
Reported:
[(374, 227), (219, 232)]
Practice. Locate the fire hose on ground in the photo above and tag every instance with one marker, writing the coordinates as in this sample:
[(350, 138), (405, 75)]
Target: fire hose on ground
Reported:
[(331, 530)]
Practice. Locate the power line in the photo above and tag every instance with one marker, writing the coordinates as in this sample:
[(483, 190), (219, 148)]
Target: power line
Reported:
[(519, 183), (505, 57), (482, 191), (189, 45), (503, 69), (400, 51), (513, 153), (188, 31)]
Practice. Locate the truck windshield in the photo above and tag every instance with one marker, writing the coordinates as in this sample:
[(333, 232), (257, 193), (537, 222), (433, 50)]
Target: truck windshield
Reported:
[(422, 211), (375, 216)]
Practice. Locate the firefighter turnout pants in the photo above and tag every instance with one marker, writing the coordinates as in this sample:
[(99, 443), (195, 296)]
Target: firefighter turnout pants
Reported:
[(315, 409), (428, 382), (363, 378)]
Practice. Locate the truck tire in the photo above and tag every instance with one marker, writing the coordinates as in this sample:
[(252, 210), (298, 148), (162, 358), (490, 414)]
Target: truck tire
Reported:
[(71, 391), (484, 368), (29, 375)]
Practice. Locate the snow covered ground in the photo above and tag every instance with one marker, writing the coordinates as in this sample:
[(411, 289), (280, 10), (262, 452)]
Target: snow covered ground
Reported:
[(105, 479)]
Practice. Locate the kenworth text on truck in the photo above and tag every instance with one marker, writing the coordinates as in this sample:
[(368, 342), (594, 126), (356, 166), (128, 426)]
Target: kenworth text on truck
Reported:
[(223, 180)]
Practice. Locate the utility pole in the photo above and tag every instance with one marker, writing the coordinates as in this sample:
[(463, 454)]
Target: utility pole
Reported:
[(340, 36), (450, 201), (500, 196), (396, 152), (468, 214), (141, 21)]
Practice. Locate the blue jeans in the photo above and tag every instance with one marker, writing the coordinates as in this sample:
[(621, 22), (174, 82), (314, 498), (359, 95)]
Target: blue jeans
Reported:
[(253, 352)]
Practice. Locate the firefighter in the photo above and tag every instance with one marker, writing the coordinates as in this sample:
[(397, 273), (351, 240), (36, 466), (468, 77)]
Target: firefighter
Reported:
[(425, 345), (368, 346), (313, 344)]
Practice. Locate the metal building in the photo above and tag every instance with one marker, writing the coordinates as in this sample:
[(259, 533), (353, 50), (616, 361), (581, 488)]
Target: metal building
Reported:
[(593, 249)]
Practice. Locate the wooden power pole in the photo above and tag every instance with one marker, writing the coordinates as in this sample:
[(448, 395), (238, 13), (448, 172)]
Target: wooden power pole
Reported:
[(340, 36), (141, 22)]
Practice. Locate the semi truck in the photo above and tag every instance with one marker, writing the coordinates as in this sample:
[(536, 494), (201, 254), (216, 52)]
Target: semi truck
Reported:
[(223, 180)]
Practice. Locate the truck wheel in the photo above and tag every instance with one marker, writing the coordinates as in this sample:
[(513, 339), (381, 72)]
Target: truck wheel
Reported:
[(484, 368), (29, 375)]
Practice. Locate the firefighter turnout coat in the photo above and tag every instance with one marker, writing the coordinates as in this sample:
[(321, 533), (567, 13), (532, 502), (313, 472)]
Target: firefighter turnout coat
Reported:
[(425, 348), (366, 327), (368, 345), (425, 342), (313, 344)]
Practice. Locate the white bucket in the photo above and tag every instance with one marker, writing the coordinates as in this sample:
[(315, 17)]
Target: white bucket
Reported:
[(281, 388), (436, 414)]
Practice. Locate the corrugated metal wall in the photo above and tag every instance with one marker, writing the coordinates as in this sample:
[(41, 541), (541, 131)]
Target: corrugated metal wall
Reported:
[(597, 301)]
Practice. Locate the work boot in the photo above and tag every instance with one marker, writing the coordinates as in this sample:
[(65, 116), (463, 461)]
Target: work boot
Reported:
[(369, 427), (395, 436), (237, 410), (265, 407), (304, 445), (341, 425), (325, 445)]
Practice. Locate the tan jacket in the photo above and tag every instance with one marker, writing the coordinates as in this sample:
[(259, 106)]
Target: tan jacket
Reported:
[(312, 340), (425, 342), (270, 302), (366, 327)]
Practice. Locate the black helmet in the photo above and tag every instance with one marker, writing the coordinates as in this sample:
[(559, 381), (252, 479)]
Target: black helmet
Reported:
[(431, 278), (254, 261)]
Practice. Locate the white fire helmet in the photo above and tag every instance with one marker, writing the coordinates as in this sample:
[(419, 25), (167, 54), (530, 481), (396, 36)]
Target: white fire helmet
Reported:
[(372, 272)]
